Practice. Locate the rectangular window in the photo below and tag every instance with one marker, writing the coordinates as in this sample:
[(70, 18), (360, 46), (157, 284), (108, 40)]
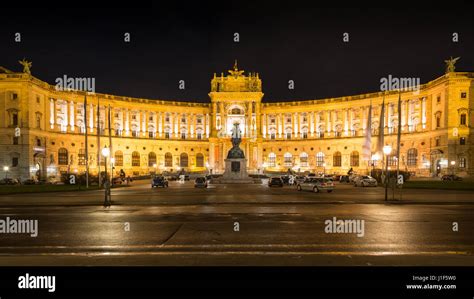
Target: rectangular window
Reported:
[(14, 96), (462, 119), (272, 136), (150, 118), (437, 142), (167, 135), (135, 133), (183, 135), (151, 134), (462, 141), (288, 135), (462, 162), (15, 140), (15, 119), (438, 122), (305, 135), (134, 117), (199, 136), (199, 120), (272, 121), (14, 162), (463, 95)]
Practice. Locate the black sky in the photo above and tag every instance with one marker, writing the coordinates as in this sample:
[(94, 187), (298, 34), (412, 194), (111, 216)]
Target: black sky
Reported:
[(282, 42)]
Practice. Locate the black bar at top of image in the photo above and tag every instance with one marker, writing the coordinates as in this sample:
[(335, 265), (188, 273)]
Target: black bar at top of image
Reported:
[(239, 282)]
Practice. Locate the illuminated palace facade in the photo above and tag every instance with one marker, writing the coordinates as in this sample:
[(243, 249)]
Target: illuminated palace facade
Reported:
[(324, 135)]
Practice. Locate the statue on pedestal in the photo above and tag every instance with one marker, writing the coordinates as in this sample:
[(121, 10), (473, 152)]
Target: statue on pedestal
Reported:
[(235, 152)]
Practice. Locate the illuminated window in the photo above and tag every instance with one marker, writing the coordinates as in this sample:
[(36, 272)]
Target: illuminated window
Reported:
[(199, 160), (320, 159), (271, 160), (62, 156), (168, 160), (135, 159), (337, 159), (412, 157), (355, 159)]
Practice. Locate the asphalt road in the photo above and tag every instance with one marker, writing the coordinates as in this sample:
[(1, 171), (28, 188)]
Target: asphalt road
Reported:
[(182, 225)]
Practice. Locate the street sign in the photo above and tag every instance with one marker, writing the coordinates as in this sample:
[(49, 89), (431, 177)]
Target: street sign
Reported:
[(17, 132), (72, 179), (400, 179)]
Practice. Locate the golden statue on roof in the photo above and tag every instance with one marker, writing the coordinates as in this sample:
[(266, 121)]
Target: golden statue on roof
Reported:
[(235, 72), (26, 65)]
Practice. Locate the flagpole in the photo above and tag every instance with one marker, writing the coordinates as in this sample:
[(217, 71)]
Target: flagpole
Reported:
[(98, 141), (109, 118), (399, 134), (86, 143)]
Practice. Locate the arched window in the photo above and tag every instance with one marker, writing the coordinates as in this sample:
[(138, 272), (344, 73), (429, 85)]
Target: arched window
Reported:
[(199, 160), (183, 160), (62, 156), (168, 160), (412, 157), (151, 159), (288, 161), (135, 159), (118, 158), (320, 159), (271, 160), (355, 159), (303, 159), (337, 159)]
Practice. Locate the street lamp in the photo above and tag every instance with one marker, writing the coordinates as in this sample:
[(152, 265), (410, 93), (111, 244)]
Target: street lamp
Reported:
[(386, 150), (375, 158), (105, 154), (453, 163), (324, 169), (112, 168), (6, 168)]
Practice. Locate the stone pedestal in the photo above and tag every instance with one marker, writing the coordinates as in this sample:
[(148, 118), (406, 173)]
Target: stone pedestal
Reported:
[(236, 171)]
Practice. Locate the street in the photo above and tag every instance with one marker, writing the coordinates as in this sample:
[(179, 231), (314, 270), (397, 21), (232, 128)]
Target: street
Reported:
[(240, 225)]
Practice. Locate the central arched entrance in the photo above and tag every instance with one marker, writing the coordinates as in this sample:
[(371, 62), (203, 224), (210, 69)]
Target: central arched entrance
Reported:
[(235, 114)]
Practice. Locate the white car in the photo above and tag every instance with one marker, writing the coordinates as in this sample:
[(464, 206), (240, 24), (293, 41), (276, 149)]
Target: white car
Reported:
[(365, 181)]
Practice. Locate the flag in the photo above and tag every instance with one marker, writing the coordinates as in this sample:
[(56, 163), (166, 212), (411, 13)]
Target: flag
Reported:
[(366, 147), (380, 140)]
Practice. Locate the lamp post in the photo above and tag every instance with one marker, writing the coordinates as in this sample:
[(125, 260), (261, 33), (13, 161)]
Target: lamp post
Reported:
[(324, 169), (386, 150), (112, 168), (6, 168), (453, 163), (375, 158), (105, 154)]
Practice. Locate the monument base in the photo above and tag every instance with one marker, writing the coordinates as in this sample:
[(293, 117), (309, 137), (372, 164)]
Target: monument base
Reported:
[(235, 172)]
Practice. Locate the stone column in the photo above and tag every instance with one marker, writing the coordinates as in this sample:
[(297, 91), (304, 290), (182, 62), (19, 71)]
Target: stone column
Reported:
[(213, 124), (311, 124), (127, 122), (71, 115), (423, 113), (52, 112), (328, 122), (346, 122), (280, 125), (145, 124), (258, 125), (208, 125), (92, 117), (295, 123), (264, 125)]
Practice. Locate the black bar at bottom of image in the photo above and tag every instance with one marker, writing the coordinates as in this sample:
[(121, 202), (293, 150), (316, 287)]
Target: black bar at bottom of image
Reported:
[(237, 282)]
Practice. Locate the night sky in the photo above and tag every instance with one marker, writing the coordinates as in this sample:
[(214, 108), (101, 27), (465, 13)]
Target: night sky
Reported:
[(193, 41)]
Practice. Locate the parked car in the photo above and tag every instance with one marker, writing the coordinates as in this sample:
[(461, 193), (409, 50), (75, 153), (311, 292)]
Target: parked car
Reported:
[(451, 177), (365, 181), (159, 181), (285, 179), (344, 179), (117, 181), (275, 181), (316, 185), (299, 179), (30, 182), (9, 181), (200, 182)]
